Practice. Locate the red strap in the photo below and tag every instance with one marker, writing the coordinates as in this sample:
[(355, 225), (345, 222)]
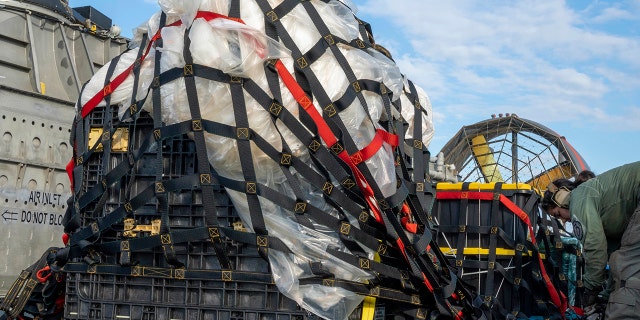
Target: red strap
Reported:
[(372, 148), (69, 169), (301, 97), (110, 87), (426, 281), (327, 135), (65, 238), (518, 212), (408, 225), (458, 195), (407, 220), (60, 303), (208, 15), (558, 299), (390, 138)]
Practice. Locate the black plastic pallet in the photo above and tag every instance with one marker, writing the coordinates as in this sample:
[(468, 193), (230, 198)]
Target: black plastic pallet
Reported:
[(93, 296), (99, 292)]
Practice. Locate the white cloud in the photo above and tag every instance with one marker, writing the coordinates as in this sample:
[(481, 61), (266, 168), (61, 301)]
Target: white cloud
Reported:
[(426, 73), (570, 83), (612, 14), (620, 80), (542, 54)]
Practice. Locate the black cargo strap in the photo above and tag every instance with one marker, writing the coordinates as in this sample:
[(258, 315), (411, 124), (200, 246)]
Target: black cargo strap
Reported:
[(134, 110), (244, 151), (79, 141), (162, 205), (234, 9), (462, 229), (198, 233), (580, 265), (337, 54), (365, 30), (421, 154), (204, 168), (495, 222), (522, 246), (371, 265), (549, 235), (243, 141), (287, 159), (104, 141), (170, 273), (366, 290), (417, 199), (106, 126), (22, 288), (71, 219)]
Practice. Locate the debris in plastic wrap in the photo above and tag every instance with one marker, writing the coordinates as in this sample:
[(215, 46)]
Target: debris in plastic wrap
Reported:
[(296, 106)]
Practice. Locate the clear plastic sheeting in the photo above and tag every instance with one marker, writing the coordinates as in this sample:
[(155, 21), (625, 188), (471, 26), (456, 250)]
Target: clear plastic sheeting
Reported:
[(242, 48)]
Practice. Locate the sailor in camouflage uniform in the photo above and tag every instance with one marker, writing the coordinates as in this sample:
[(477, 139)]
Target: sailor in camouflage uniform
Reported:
[(605, 213)]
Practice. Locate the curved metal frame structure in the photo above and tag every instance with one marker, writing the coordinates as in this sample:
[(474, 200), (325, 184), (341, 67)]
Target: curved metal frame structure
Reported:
[(472, 149)]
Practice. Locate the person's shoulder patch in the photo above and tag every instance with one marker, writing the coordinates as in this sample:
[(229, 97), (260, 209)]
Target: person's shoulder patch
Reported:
[(577, 230)]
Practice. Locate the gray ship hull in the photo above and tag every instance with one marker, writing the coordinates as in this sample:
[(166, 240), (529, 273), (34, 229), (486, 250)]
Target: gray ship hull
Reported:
[(48, 53)]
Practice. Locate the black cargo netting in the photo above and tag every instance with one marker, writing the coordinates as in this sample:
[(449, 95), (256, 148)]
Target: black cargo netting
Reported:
[(154, 231)]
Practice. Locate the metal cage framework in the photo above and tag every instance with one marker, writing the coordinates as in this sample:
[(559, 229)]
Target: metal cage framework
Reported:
[(513, 150)]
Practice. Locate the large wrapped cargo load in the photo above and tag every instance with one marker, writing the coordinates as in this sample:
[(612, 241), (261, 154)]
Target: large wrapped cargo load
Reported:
[(245, 146)]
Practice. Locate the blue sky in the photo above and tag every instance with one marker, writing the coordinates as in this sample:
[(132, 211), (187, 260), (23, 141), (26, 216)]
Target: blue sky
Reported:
[(573, 66)]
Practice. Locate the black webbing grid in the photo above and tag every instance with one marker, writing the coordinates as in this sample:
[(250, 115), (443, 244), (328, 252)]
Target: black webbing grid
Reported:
[(324, 170)]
